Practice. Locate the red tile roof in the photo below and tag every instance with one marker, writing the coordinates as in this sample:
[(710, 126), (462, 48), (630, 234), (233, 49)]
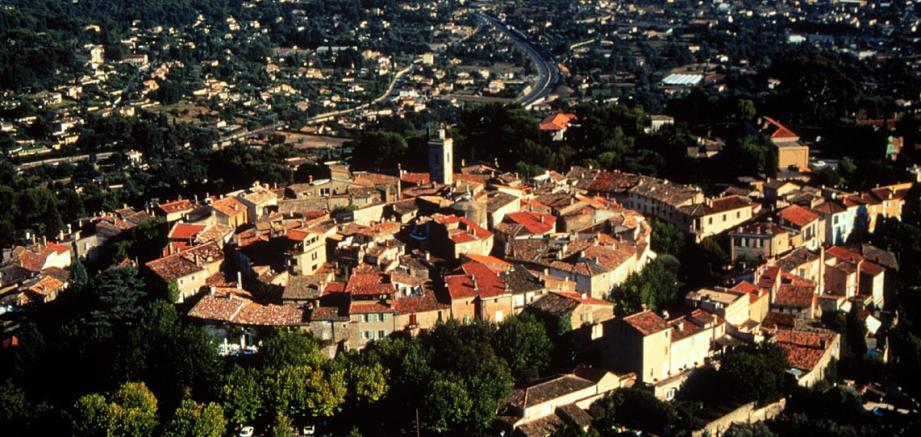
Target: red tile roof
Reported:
[(582, 299), (558, 121), (804, 348), (781, 133), (185, 231), (367, 284), (797, 215), (646, 322), (229, 206), (475, 280), (418, 304), (176, 206), (495, 264), (536, 223)]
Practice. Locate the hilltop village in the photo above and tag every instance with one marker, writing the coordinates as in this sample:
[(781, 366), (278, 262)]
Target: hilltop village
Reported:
[(358, 257)]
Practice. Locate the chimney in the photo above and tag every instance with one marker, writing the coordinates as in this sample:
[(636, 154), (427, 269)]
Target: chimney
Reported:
[(475, 286), (463, 162), (239, 280), (665, 313), (211, 290), (584, 296)]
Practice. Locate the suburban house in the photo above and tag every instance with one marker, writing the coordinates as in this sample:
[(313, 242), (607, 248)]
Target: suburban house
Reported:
[(556, 125)]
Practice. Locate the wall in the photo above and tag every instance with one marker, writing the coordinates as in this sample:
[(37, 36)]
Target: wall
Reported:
[(744, 414)]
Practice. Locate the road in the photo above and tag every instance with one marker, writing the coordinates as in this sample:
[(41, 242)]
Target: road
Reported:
[(548, 73)]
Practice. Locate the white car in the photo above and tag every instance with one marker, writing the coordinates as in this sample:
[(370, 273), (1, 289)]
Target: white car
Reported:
[(247, 431)]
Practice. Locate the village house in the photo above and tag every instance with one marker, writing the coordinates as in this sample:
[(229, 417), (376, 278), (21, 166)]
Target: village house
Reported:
[(450, 236), (809, 352), (237, 323), (790, 152), (578, 309), (186, 272), (542, 408), (230, 211), (475, 291), (595, 268), (663, 352), (714, 216), (759, 241), (808, 226), (176, 210)]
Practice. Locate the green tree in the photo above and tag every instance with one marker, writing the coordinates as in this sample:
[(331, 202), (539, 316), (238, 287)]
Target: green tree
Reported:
[(92, 416), (301, 391), (655, 286), (192, 419), (368, 382), (283, 427), (757, 429), (377, 150), (756, 373), (634, 408), (667, 239), (289, 348), (448, 404), (242, 396), (131, 411), (745, 109), (523, 342)]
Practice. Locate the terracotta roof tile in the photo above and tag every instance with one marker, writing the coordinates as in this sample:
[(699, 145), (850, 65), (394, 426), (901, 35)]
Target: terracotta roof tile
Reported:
[(646, 322)]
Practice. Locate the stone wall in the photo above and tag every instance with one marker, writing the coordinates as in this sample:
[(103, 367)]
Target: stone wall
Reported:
[(745, 414)]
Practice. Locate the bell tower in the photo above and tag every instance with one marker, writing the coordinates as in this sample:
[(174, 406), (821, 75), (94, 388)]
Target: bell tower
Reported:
[(441, 161)]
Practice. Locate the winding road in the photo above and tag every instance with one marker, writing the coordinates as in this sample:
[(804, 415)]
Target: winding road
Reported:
[(548, 73)]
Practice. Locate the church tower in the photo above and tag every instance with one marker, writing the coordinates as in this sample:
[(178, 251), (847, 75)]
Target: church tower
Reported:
[(441, 163)]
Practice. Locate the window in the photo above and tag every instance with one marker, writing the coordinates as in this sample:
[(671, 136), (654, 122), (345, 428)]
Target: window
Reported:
[(372, 318), (710, 220), (313, 256), (738, 214), (380, 334), (383, 317), (364, 318)]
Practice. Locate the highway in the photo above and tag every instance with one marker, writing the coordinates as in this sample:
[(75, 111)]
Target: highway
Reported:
[(548, 73)]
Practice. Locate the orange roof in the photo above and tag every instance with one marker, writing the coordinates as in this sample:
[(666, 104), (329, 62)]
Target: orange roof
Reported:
[(176, 206), (229, 206), (581, 298), (558, 121), (534, 222), (646, 322), (364, 284), (475, 280), (797, 215), (495, 264), (185, 231), (780, 131)]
